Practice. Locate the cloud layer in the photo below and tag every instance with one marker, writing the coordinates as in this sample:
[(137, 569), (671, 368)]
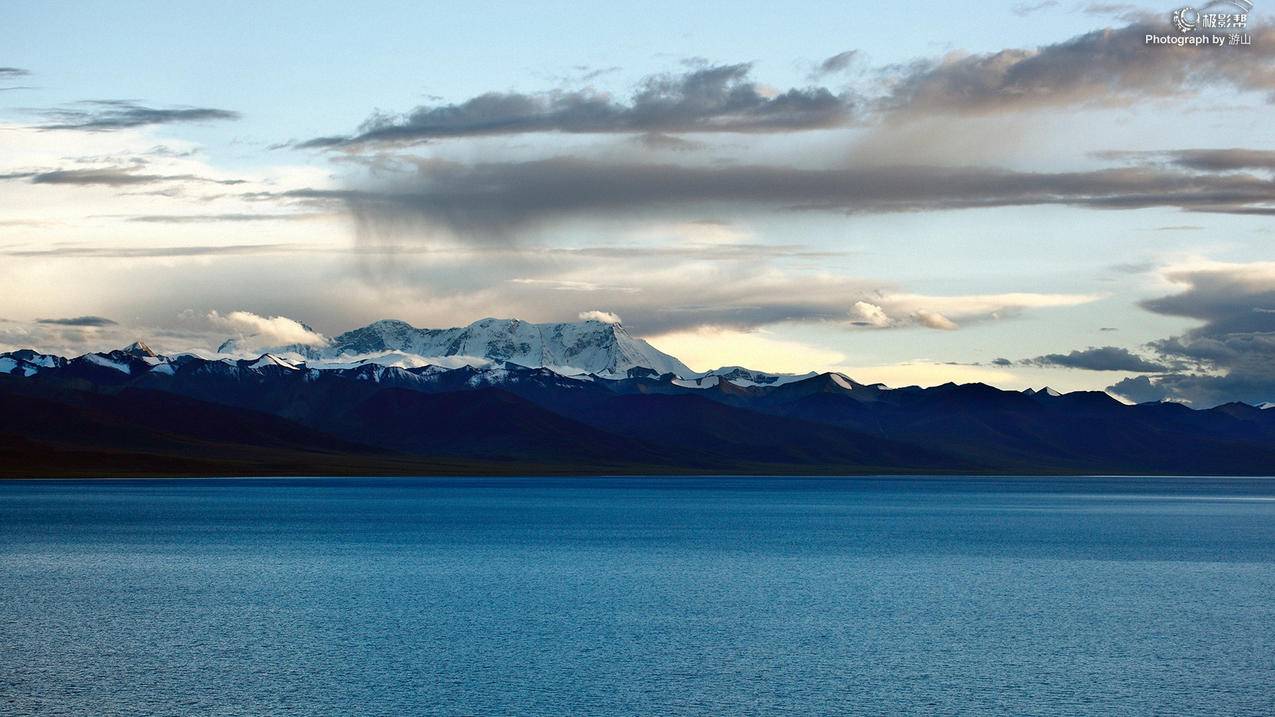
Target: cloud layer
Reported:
[(1107, 67), (1231, 355), (1103, 358), (719, 98), (491, 200), (107, 115)]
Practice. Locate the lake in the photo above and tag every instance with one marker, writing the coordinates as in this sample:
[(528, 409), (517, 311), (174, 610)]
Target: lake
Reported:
[(624, 596)]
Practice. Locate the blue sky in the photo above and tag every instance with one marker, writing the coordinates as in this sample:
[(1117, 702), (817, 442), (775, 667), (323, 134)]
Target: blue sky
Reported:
[(996, 192)]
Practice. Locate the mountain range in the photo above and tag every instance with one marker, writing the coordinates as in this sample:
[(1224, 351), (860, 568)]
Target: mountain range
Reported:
[(511, 397)]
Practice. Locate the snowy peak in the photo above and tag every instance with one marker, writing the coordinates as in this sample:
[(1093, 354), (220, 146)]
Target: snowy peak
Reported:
[(584, 347)]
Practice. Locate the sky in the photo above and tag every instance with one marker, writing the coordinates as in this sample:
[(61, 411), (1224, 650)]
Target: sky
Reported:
[(1024, 194)]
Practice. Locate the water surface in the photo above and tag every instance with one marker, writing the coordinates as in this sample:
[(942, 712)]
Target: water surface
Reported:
[(638, 596)]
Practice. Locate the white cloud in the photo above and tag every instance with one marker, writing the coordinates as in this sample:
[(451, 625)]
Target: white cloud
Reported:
[(870, 314), (267, 331), (605, 317), (944, 312)]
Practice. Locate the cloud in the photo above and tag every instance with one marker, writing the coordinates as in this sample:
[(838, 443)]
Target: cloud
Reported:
[(106, 115), (110, 177), (85, 321), (1024, 9), (659, 292), (1108, 67), (865, 313), (1231, 355), (1121, 10), (719, 98), (837, 63), (143, 252), (896, 310), (1224, 160), (233, 217), (605, 317), (1104, 358), (489, 201), (1204, 160), (668, 142), (935, 320), (267, 331), (9, 74)]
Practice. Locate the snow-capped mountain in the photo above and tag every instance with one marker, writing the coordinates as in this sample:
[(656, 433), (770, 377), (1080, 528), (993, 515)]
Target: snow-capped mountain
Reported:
[(567, 348)]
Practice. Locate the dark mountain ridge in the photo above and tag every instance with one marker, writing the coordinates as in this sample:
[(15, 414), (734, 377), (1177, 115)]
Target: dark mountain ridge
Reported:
[(141, 413)]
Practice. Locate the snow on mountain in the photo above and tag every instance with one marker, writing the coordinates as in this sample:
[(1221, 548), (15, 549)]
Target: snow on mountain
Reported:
[(36, 359), (843, 381), (106, 362), (568, 348), (272, 360), (396, 359), (747, 377), (26, 363)]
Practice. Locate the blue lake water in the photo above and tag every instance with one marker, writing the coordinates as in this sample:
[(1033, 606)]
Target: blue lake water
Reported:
[(631, 596)]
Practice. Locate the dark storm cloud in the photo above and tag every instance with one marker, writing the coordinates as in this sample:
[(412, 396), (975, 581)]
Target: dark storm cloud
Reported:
[(105, 115), (486, 201), (1232, 354), (110, 176), (85, 321), (1104, 358), (707, 99), (1229, 298), (1101, 68)]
